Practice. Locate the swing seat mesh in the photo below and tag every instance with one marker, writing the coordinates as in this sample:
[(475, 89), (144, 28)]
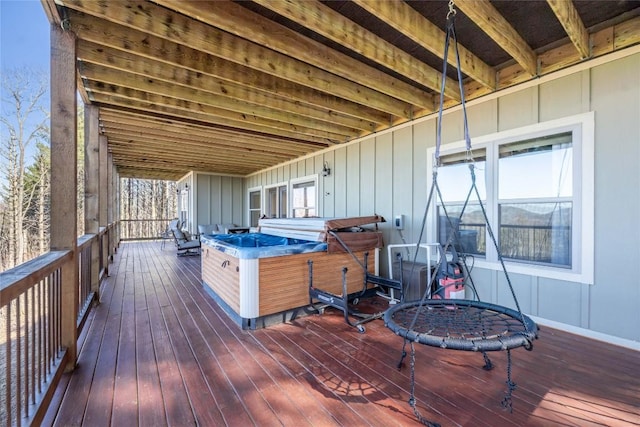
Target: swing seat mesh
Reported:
[(461, 325)]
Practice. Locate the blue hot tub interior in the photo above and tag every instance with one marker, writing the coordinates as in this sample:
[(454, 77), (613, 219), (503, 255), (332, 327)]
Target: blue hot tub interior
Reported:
[(259, 245)]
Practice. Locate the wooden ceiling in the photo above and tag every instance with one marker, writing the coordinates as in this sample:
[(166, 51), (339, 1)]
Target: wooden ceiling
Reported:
[(235, 87)]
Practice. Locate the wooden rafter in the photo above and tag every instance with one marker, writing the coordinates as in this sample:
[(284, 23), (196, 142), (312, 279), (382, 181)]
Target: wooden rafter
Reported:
[(572, 24), (117, 82), (235, 19), (164, 23), (323, 20), (422, 31), (232, 87), (499, 29)]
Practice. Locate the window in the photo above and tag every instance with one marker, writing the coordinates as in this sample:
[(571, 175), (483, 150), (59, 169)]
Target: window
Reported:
[(454, 180), (536, 184), (535, 199), (276, 201), (255, 206), (304, 197)]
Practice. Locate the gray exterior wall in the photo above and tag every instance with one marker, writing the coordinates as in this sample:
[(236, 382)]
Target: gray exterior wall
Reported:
[(214, 199), (387, 174)]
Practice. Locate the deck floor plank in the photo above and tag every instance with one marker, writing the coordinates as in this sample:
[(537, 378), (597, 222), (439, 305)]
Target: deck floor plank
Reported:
[(174, 394), (207, 357), (151, 404), (160, 351)]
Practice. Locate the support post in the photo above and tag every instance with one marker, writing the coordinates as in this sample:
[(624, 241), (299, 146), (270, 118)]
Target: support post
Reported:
[(110, 216), (104, 203), (64, 152), (92, 191)]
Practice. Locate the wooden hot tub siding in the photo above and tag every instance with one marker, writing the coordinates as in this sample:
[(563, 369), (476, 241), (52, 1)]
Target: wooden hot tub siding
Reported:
[(283, 280)]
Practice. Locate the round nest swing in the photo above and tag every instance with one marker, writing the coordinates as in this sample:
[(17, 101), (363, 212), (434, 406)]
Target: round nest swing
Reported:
[(461, 325)]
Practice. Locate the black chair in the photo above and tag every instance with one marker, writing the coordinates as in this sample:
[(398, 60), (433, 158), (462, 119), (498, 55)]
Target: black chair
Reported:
[(185, 245)]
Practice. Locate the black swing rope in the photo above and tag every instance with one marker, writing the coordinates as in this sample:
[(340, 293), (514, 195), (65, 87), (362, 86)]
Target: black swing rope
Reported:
[(479, 326)]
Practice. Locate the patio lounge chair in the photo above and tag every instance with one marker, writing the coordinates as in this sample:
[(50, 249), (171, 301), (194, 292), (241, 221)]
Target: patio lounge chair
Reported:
[(167, 233), (185, 246)]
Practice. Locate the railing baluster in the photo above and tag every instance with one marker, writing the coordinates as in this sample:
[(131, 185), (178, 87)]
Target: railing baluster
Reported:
[(17, 358), (31, 326), (33, 365), (40, 340), (8, 363), (25, 355)]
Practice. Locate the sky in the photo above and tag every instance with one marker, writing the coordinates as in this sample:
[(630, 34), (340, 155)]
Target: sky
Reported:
[(24, 43), (24, 35)]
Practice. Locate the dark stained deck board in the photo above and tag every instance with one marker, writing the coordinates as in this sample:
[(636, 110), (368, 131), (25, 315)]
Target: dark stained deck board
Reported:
[(174, 397), (160, 351)]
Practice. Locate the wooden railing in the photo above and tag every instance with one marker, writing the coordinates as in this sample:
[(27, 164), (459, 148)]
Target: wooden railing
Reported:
[(531, 243), (32, 353), (143, 229)]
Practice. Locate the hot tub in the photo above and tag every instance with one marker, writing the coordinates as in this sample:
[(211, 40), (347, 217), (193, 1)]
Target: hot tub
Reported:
[(260, 245), (260, 279)]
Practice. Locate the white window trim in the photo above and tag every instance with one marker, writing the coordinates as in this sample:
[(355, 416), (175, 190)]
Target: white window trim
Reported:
[(265, 193), (583, 237), (249, 191), (294, 181)]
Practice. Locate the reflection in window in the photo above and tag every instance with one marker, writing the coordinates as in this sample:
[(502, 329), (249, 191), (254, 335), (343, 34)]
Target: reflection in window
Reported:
[(537, 232), (530, 202), (536, 168)]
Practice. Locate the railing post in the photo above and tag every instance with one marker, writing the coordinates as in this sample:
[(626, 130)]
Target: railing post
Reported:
[(64, 204)]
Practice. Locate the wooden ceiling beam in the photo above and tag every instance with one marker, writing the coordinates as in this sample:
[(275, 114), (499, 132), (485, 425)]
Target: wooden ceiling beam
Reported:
[(182, 107), (235, 138), (235, 19), (177, 28), (184, 157), (189, 124), (207, 145), (90, 52), (329, 23), (208, 138), (112, 78), (184, 160), (188, 159), (161, 175), (405, 19), (167, 137), (496, 26), (155, 170), (568, 16), (101, 40), (114, 102)]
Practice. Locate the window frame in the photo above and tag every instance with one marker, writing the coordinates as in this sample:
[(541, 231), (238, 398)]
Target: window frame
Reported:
[(582, 127), (265, 201), (303, 179), (260, 209)]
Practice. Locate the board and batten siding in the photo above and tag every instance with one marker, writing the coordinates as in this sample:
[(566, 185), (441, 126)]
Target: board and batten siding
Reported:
[(218, 199), (387, 174)]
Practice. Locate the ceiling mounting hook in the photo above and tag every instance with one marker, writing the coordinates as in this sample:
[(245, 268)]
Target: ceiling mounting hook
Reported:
[(65, 22), (452, 10)]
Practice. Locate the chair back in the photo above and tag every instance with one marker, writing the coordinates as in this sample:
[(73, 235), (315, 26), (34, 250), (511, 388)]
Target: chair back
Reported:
[(205, 229), (179, 236)]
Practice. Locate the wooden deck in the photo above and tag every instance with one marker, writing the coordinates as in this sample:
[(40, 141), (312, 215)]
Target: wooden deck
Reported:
[(159, 351)]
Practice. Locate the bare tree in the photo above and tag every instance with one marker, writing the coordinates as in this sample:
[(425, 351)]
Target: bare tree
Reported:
[(24, 121), (38, 187)]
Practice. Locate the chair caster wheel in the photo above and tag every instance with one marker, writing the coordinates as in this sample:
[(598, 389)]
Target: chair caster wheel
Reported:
[(355, 301), (361, 329)]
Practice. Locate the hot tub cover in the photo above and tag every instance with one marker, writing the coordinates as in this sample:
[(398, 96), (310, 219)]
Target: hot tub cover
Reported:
[(334, 231)]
